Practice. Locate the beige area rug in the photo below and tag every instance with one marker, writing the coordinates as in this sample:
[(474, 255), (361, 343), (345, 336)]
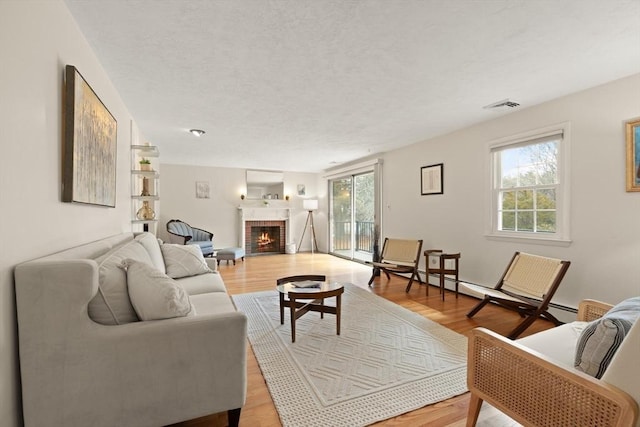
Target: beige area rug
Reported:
[(387, 360)]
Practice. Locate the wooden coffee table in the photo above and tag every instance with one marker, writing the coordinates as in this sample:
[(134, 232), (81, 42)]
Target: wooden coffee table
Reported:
[(291, 296)]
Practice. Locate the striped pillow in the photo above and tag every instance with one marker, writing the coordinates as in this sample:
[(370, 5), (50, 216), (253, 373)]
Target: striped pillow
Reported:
[(601, 338)]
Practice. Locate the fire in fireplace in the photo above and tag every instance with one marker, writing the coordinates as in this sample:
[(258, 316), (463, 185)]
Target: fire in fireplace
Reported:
[(265, 240), (265, 237)]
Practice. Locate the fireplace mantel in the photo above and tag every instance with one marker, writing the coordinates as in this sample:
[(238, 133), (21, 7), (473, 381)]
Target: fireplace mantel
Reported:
[(262, 214)]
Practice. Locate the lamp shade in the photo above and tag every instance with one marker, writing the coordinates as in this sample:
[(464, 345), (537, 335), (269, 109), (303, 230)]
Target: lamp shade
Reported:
[(310, 204)]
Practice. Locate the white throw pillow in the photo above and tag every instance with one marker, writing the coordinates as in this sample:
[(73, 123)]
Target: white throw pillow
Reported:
[(153, 294), (152, 244), (183, 260), (111, 305)]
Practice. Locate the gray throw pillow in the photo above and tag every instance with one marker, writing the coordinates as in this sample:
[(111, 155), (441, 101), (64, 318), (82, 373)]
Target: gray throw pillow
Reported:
[(183, 261), (601, 338), (154, 295)]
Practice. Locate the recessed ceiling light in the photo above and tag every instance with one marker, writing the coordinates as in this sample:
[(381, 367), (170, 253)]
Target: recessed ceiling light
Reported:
[(197, 132)]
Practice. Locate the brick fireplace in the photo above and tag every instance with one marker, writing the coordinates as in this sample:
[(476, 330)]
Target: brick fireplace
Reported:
[(264, 230), (264, 237)]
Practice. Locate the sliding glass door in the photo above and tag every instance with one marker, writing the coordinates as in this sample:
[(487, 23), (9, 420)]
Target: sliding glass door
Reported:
[(353, 215)]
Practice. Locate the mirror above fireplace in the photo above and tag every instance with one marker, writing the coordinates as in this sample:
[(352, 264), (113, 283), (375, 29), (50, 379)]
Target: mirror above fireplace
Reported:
[(265, 185)]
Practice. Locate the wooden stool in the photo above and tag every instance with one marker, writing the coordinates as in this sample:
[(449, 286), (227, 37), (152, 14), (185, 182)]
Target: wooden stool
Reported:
[(441, 270)]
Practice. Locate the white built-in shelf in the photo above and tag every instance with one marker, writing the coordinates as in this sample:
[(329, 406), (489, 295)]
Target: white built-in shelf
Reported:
[(147, 150), (148, 198), (144, 221), (144, 181), (148, 174)]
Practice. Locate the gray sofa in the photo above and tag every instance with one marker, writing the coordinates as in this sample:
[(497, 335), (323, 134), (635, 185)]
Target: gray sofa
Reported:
[(86, 358)]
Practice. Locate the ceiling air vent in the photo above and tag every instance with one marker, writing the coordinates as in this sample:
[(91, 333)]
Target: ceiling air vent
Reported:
[(501, 105)]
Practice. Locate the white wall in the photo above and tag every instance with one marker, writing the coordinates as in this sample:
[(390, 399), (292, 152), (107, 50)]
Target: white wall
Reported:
[(219, 214), (605, 220), (37, 39)]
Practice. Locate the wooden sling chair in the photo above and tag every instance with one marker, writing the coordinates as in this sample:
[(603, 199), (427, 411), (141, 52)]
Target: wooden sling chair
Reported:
[(399, 256), (526, 286)]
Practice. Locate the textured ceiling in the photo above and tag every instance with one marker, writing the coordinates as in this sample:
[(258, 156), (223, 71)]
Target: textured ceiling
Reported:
[(304, 85)]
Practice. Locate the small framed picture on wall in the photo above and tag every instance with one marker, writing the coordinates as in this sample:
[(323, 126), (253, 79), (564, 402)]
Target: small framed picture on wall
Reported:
[(431, 179), (202, 189)]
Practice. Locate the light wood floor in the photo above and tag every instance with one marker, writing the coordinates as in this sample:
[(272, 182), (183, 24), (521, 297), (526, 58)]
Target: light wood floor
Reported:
[(260, 273)]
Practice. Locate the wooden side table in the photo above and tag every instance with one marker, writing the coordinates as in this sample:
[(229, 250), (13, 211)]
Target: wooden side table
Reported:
[(441, 271)]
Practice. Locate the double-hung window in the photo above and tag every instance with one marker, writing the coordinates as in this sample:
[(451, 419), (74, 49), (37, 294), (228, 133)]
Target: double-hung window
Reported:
[(529, 186)]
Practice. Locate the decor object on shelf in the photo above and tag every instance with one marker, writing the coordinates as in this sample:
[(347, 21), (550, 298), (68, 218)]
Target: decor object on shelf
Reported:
[(309, 205), (431, 179), (90, 142), (145, 164), (506, 374), (145, 187), (183, 234), (145, 212), (181, 368), (399, 256), (633, 155), (526, 286), (309, 383)]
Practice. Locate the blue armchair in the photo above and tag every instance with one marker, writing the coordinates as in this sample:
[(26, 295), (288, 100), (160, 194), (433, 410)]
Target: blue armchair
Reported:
[(183, 234)]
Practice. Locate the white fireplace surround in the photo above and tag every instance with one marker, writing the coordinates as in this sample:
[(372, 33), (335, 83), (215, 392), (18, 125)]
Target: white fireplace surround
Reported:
[(263, 214)]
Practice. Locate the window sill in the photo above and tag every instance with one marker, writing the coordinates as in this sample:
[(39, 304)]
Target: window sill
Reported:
[(534, 240)]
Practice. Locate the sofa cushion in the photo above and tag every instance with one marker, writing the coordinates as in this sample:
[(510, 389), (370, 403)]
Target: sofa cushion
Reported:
[(154, 295), (203, 283), (212, 303), (111, 305), (557, 343), (183, 261), (601, 338), (151, 244)]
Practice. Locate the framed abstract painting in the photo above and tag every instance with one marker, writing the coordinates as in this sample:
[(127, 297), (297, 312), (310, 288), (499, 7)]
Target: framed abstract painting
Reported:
[(633, 154), (89, 147)]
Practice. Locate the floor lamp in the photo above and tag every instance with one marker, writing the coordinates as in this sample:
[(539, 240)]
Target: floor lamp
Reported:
[(310, 205)]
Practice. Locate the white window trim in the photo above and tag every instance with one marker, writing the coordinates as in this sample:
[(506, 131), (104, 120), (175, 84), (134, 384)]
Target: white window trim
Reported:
[(563, 236)]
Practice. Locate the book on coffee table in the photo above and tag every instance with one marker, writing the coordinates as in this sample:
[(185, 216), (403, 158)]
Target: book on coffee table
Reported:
[(307, 284)]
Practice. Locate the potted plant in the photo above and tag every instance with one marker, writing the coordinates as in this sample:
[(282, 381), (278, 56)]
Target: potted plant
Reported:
[(145, 164)]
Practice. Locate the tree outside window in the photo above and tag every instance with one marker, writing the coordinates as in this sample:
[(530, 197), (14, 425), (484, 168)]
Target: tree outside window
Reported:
[(527, 186)]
